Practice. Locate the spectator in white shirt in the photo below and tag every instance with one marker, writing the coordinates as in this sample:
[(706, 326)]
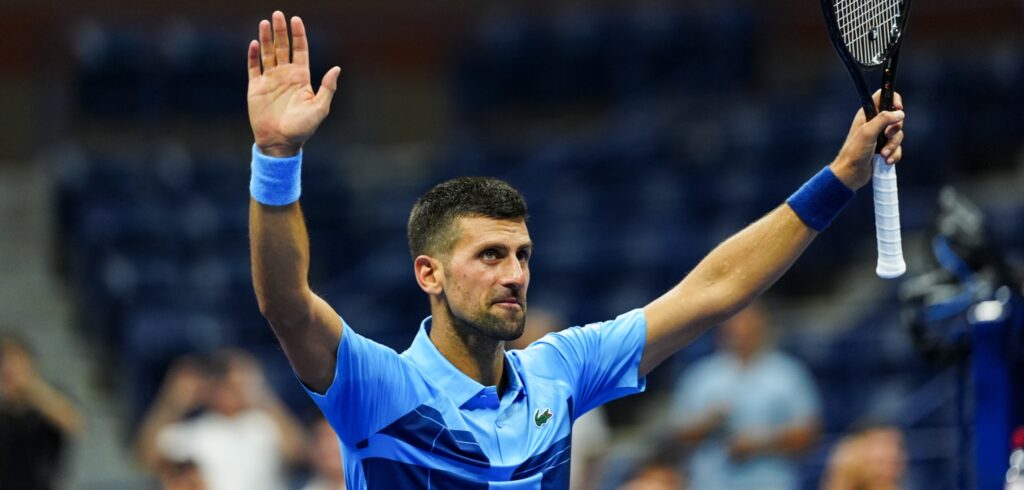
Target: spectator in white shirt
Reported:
[(243, 436)]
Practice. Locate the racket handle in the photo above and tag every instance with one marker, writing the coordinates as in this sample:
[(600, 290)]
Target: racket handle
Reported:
[(887, 220)]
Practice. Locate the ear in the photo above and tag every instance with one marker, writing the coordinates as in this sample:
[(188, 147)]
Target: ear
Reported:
[(429, 274)]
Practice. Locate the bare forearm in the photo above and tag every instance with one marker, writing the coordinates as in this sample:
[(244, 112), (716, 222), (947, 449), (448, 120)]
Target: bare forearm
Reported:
[(280, 260)]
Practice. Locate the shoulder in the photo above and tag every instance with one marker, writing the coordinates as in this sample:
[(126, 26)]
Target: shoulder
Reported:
[(617, 329), (634, 317), (538, 360)]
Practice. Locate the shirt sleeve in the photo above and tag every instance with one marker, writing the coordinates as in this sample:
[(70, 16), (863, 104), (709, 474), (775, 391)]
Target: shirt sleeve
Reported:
[(372, 387), (601, 360)]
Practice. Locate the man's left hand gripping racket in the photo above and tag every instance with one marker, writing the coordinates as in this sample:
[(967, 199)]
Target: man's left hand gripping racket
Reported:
[(867, 35)]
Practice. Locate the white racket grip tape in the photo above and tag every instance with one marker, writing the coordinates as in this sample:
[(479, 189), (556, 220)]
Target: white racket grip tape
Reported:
[(887, 220)]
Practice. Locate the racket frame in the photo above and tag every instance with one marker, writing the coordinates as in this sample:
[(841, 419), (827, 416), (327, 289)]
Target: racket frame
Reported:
[(854, 67)]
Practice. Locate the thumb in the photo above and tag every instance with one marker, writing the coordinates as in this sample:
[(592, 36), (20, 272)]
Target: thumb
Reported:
[(328, 86), (874, 127)]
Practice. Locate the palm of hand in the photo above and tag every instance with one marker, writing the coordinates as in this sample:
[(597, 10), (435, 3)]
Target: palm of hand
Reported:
[(282, 110)]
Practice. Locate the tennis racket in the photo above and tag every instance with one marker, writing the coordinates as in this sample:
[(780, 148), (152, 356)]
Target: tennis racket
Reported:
[(867, 36)]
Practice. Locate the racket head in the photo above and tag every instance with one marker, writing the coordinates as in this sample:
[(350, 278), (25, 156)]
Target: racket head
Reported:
[(866, 31)]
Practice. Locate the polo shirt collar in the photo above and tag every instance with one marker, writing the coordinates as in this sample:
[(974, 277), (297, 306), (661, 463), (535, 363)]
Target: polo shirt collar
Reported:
[(466, 392)]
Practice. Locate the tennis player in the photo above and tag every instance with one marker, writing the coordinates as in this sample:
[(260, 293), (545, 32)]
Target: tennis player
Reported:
[(455, 410)]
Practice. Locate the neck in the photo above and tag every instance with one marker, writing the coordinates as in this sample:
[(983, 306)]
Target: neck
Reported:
[(477, 356)]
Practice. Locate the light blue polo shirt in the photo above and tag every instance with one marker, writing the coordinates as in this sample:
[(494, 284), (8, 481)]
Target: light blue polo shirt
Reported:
[(413, 420)]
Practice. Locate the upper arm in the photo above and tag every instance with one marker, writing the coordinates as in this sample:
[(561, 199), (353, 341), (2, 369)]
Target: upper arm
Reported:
[(306, 326), (310, 341)]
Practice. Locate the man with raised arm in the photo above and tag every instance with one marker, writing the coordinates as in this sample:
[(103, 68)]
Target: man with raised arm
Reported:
[(456, 410)]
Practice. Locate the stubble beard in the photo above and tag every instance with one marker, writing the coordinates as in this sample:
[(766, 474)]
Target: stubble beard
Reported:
[(489, 325)]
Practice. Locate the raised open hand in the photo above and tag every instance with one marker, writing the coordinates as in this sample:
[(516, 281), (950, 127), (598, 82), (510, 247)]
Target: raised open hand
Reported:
[(283, 109)]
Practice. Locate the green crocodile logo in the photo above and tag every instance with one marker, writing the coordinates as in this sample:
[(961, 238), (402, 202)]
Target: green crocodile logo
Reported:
[(542, 418)]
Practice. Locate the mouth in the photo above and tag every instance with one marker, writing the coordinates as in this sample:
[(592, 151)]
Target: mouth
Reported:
[(511, 303)]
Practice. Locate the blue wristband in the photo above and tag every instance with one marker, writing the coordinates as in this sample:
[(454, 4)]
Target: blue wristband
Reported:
[(820, 199), (275, 181)]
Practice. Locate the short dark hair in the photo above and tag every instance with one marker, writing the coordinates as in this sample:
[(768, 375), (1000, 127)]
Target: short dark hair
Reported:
[(433, 216)]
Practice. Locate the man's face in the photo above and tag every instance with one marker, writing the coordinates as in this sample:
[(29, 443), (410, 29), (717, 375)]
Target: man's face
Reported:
[(487, 274)]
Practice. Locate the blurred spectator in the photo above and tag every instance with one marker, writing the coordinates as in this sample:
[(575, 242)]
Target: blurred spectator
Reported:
[(655, 475), (242, 436), (180, 475), (35, 421), (746, 412), (873, 458), (590, 433), (325, 457)]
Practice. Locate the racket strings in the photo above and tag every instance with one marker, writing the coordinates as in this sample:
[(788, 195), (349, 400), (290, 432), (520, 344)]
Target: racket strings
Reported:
[(867, 27)]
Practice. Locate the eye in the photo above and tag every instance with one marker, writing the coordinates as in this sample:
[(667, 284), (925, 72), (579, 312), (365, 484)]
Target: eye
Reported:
[(523, 255), (489, 254)]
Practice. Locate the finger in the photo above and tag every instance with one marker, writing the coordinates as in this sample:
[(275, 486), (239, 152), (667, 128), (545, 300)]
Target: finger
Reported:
[(328, 87), (892, 144), (897, 100), (891, 131), (894, 128), (896, 156), (300, 47), (871, 129), (267, 45), (254, 60), (281, 49)]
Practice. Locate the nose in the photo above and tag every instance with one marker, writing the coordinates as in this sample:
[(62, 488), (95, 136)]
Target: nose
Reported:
[(514, 274)]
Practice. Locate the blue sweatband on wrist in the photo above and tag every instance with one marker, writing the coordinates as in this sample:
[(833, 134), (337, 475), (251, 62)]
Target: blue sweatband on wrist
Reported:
[(275, 181), (820, 199)]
